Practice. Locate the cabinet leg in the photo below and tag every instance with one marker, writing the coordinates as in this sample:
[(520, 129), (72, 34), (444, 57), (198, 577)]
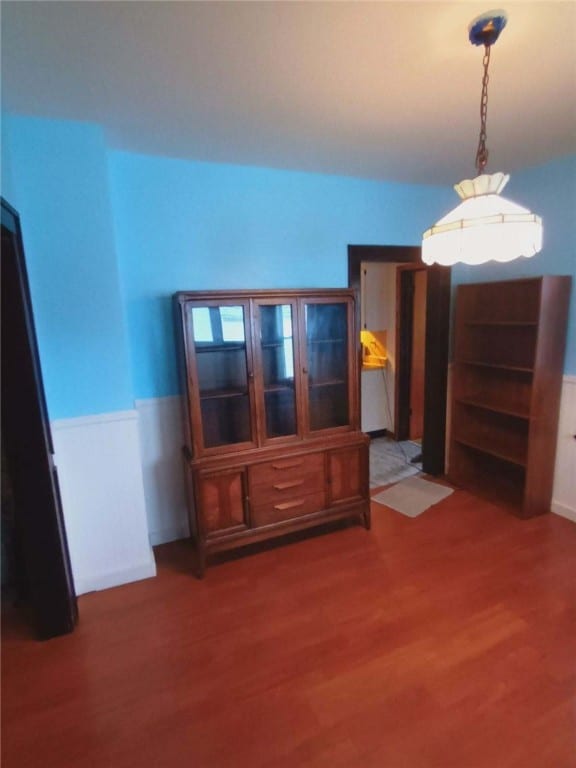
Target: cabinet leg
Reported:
[(200, 562), (367, 518)]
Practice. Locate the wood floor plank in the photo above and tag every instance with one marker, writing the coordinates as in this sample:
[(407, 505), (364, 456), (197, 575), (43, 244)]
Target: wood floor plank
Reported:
[(443, 640)]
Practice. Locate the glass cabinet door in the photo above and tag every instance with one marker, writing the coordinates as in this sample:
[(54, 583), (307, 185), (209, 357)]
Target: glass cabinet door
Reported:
[(223, 369), (327, 345), (277, 359)]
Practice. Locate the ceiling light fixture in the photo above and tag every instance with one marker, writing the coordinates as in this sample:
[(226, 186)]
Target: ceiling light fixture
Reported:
[(484, 226)]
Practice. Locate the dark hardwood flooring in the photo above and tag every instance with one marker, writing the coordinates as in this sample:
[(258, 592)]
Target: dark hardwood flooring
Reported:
[(444, 641)]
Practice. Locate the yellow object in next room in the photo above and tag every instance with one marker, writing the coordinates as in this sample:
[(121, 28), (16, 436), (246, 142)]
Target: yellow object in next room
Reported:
[(373, 349)]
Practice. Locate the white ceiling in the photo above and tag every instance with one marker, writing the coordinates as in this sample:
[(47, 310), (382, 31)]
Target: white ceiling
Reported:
[(388, 90)]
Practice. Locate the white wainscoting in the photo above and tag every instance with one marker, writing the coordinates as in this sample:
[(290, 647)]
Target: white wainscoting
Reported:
[(564, 494), (100, 473), (161, 441), (122, 484)]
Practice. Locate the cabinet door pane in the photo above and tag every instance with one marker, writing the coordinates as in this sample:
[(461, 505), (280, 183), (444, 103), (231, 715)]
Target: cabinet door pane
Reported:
[(277, 349), (222, 368), (327, 356)]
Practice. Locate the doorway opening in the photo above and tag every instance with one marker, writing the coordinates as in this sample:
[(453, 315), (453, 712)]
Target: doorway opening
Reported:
[(416, 357)]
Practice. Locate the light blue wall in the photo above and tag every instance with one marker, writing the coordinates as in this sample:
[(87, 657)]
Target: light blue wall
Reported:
[(188, 226), (550, 191), (59, 186), (109, 236), (7, 183)]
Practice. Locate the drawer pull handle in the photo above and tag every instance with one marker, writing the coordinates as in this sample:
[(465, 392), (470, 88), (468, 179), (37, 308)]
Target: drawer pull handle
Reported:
[(289, 505), (284, 486), (288, 465)]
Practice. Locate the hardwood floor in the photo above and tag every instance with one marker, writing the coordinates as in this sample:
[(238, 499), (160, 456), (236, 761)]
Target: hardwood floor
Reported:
[(444, 641)]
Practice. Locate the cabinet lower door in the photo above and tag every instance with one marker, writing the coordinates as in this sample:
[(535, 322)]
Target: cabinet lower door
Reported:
[(221, 502), (347, 474)]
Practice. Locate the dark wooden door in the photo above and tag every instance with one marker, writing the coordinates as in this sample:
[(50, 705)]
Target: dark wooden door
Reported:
[(418, 356), (47, 590), (411, 351)]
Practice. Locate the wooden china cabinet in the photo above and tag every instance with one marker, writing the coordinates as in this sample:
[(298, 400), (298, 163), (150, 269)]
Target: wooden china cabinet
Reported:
[(273, 442)]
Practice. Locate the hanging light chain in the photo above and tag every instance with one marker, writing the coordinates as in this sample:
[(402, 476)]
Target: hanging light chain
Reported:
[(482, 152)]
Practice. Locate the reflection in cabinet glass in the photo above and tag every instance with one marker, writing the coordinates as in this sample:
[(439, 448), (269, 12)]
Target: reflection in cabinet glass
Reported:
[(222, 370), (327, 354), (277, 348)]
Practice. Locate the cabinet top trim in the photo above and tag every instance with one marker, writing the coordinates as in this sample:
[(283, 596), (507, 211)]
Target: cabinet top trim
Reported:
[(183, 296)]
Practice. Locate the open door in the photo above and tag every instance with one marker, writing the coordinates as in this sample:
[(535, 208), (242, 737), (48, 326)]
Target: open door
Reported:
[(411, 351), (437, 311), (31, 507)]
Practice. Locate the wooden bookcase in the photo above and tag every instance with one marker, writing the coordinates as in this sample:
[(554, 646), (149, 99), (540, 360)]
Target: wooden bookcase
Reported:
[(509, 347), (273, 441)]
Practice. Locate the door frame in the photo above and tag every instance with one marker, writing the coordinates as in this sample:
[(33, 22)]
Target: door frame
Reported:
[(437, 340), (50, 600)]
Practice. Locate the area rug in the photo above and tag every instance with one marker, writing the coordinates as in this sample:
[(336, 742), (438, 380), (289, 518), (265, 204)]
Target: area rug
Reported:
[(391, 461), (412, 496)]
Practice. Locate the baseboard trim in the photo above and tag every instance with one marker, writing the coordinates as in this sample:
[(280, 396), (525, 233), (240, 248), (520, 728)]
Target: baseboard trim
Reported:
[(166, 535), (115, 578), (564, 511), (373, 434)]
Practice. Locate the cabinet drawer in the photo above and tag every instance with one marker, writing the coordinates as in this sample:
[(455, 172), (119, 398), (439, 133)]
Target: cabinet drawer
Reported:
[(286, 478), (275, 512)]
